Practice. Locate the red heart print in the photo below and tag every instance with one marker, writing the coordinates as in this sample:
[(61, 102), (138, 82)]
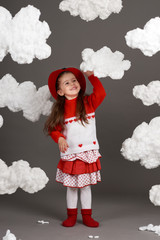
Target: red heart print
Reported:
[(94, 142), (66, 122), (80, 145), (89, 117), (93, 116), (70, 121)]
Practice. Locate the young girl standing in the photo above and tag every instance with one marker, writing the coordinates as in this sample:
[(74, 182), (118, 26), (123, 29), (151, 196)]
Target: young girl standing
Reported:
[(71, 124)]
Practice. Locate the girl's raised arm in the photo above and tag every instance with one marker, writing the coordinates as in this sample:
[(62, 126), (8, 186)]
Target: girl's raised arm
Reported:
[(99, 93)]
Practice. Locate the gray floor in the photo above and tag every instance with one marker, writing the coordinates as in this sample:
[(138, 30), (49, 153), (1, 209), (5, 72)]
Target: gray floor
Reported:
[(119, 217)]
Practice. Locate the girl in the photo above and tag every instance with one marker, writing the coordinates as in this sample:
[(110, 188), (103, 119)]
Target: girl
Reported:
[(71, 124)]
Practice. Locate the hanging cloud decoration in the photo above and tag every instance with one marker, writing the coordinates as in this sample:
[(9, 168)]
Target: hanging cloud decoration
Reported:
[(21, 175), (149, 94), (144, 145), (88, 10), (147, 39), (25, 97), (151, 228), (23, 36), (1, 121), (154, 195), (104, 63)]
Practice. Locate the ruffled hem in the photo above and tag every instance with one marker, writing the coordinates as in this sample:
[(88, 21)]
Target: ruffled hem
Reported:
[(87, 156), (78, 167), (78, 181)]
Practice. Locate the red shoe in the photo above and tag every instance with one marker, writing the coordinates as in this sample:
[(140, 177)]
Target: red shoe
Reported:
[(72, 217), (87, 219)]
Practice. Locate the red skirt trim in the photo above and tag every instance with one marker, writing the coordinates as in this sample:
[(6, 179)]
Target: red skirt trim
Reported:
[(78, 166)]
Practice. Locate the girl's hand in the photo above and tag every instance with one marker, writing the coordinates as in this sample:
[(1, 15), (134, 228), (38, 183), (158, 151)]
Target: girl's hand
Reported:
[(63, 145), (88, 73)]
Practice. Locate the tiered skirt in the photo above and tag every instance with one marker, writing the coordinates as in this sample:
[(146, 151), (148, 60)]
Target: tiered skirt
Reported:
[(80, 169)]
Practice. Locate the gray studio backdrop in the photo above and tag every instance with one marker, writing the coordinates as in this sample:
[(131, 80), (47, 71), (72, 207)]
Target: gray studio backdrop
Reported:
[(120, 112)]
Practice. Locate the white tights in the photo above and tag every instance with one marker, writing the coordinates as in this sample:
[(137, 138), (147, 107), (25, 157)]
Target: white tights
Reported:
[(85, 197)]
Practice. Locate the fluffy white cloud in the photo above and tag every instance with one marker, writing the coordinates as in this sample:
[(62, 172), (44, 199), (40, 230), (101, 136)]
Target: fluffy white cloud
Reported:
[(144, 145), (147, 39), (24, 97), (104, 63), (149, 94), (154, 195), (88, 10), (21, 175), (9, 236), (23, 36), (151, 228), (1, 121)]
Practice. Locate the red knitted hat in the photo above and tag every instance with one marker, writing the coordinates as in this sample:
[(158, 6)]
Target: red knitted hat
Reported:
[(54, 75)]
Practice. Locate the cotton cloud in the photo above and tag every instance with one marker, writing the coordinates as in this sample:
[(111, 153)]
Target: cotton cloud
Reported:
[(9, 236), (147, 39), (24, 97), (154, 195), (88, 10), (144, 145), (104, 63), (21, 175), (1, 121), (23, 36), (149, 94), (151, 228)]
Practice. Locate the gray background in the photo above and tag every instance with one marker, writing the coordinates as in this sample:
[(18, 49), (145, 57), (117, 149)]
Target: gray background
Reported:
[(117, 117)]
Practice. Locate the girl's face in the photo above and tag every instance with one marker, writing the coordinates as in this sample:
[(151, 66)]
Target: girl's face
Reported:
[(68, 86)]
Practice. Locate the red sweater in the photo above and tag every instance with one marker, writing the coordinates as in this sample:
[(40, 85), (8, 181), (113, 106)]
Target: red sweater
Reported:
[(81, 138)]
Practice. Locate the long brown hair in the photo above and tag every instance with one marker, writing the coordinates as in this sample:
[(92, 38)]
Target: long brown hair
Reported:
[(56, 117)]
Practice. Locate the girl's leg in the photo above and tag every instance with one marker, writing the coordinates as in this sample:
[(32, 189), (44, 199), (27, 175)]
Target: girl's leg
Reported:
[(72, 198), (86, 197), (86, 201)]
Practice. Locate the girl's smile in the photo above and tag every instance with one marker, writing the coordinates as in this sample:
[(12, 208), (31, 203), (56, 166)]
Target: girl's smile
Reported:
[(74, 88)]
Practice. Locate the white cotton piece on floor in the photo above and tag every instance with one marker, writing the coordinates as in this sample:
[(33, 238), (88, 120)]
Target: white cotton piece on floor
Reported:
[(151, 228), (96, 237), (9, 236), (154, 195), (104, 63), (89, 10), (1, 121), (24, 36), (43, 222), (149, 94), (21, 175), (144, 145), (147, 39), (25, 97)]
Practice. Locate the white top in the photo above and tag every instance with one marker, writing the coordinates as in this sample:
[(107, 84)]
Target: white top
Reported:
[(80, 138)]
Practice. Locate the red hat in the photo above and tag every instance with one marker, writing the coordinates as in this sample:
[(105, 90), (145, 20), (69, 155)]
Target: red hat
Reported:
[(54, 75)]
